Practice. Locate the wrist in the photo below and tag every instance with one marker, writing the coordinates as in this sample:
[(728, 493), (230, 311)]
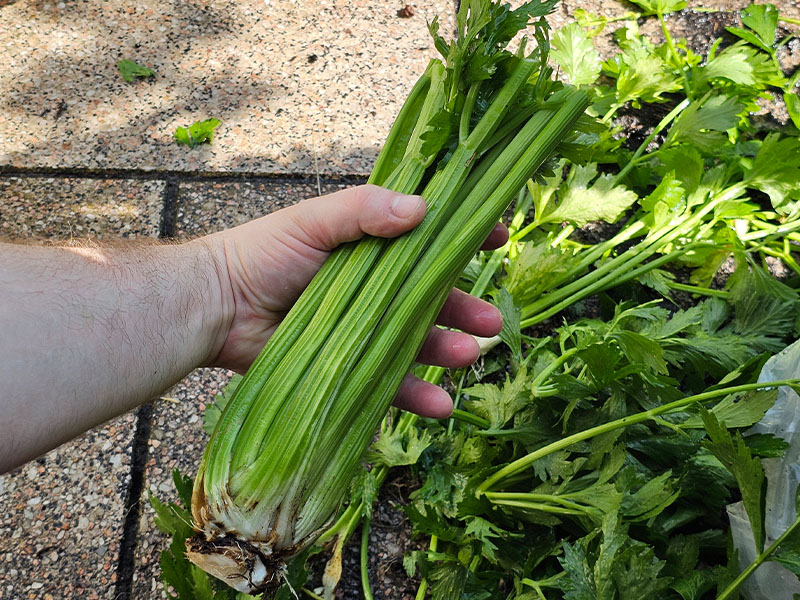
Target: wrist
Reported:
[(219, 305)]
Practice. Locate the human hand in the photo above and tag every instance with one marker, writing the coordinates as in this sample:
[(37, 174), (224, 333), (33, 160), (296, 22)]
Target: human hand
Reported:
[(264, 266)]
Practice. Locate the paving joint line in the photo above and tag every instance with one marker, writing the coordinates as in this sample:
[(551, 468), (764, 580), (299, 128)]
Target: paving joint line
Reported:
[(188, 176), (169, 208), (126, 563)]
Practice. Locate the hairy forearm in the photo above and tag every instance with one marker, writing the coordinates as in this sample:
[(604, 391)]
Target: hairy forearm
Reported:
[(91, 332)]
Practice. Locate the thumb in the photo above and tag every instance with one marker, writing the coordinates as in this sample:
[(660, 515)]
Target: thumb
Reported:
[(328, 221)]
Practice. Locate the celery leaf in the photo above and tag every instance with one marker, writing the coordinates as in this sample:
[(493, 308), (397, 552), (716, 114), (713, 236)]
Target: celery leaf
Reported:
[(510, 332), (762, 23), (738, 410), (535, 269), (659, 7), (394, 448), (733, 453), (214, 410), (199, 132), (499, 405), (776, 171), (574, 52), (130, 70), (583, 201), (717, 114)]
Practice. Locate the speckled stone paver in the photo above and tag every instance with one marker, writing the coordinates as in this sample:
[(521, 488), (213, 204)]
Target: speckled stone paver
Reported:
[(65, 208), (293, 82), (62, 514), (205, 207)]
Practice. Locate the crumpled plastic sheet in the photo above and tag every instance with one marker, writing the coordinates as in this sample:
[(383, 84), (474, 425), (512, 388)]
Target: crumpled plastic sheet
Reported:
[(771, 581)]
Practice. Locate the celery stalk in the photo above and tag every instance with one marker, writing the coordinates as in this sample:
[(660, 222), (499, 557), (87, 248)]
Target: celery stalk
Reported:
[(285, 449)]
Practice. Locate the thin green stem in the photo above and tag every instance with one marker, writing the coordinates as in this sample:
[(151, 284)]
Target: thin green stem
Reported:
[(423, 585), (786, 258), (637, 156), (525, 461), (457, 400), (547, 582), (540, 506), (622, 267), (497, 497), (365, 587), (562, 235), (696, 289), (311, 594), (549, 369), (466, 417), (675, 56), (759, 561), (466, 112)]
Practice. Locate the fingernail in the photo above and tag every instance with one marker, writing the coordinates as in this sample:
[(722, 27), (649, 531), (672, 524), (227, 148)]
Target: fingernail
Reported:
[(488, 314), (405, 206)]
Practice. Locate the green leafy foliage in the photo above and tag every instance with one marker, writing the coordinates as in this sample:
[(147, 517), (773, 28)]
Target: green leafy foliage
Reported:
[(214, 411), (576, 55), (761, 21), (775, 170), (734, 454), (131, 71), (499, 405), (640, 74), (394, 449), (660, 7), (199, 132), (581, 201)]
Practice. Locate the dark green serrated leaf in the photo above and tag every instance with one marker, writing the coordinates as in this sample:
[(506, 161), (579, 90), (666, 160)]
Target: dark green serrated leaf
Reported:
[(578, 583), (694, 585), (766, 445), (789, 559), (448, 581), (641, 350), (776, 171), (650, 499), (734, 454), (636, 573)]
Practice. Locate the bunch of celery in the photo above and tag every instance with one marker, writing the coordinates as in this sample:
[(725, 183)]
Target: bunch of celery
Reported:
[(474, 129)]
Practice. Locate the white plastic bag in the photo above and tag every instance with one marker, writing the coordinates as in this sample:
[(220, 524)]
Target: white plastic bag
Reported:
[(771, 581)]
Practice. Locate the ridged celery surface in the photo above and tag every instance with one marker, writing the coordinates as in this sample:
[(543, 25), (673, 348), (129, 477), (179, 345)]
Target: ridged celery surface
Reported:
[(473, 130)]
